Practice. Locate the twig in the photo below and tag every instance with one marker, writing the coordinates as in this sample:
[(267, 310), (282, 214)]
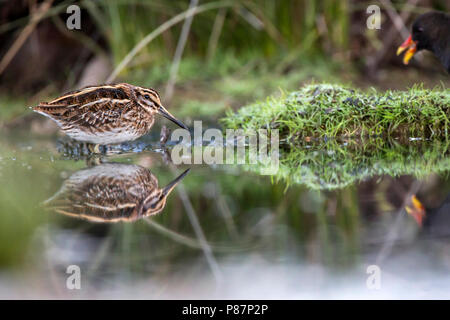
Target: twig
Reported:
[(270, 28), (392, 236), (199, 233), (23, 36), (179, 52), (226, 214), (215, 33), (390, 37), (100, 256), (397, 20), (173, 235), (55, 10), (163, 27)]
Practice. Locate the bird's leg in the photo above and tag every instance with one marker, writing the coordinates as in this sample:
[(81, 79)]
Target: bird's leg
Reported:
[(164, 136), (84, 148), (167, 159)]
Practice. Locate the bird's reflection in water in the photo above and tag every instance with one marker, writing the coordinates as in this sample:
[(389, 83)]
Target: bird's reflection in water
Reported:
[(112, 192)]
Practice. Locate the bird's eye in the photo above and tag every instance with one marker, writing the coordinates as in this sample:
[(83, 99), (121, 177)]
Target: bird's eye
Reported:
[(146, 96)]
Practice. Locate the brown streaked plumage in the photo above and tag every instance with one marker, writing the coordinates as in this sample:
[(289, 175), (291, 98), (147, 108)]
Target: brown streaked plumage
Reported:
[(112, 192), (106, 114)]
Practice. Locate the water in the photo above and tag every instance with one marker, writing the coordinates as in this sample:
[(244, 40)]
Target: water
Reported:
[(311, 231)]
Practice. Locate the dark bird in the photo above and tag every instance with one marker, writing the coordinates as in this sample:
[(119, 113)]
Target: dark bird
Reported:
[(112, 192), (434, 221), (106, 114), (430, 31)]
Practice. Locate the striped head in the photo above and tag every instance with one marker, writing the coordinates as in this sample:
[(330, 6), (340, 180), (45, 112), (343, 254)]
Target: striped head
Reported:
[(156, 201), (150, 101)]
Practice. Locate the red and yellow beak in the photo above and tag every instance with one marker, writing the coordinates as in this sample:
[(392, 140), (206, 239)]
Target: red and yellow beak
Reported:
[(412, 48), (416, 209)]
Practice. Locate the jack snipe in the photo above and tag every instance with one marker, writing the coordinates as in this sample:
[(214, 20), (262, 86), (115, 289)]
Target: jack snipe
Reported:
[(106, 114), (112, 192)]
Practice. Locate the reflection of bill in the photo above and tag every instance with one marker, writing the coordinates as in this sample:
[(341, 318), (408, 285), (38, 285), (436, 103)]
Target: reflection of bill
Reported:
[(112, 192)]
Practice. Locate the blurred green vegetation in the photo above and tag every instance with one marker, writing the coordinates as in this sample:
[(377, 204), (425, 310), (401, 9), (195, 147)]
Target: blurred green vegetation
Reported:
[(333, 164), (263, 27), (25, 182), (240, 213), (237, 51), (265, 218), (12, 107), (243, 51)]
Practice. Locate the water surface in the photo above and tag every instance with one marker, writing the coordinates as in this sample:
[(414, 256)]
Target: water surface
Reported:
[(225, 231)]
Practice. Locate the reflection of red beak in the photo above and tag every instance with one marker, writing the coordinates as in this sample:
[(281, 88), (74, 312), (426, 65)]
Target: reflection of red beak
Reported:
[(412, 48), (416, 209)]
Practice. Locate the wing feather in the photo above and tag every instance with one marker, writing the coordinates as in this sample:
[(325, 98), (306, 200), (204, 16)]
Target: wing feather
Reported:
[(88, 106), (102, 111)]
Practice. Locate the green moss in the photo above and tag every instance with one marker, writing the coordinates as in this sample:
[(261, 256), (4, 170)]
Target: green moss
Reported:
[(325, 110)]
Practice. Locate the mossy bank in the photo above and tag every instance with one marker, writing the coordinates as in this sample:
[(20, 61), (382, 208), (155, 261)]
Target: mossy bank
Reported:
[(326, 111)]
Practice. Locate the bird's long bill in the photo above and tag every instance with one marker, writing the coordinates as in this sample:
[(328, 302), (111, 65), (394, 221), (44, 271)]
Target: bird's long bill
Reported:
[(416, 210), (168, 189), (167, 115), (411, 46)]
